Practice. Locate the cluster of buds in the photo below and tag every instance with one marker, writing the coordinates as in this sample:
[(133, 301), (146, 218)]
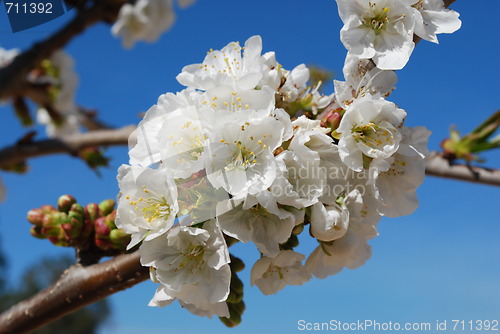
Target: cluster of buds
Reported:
[(72, 225), (468, 146), (235, 303)]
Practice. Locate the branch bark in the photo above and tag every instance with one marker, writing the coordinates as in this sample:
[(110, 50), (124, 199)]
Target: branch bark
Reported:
[(70, 144), (436, 165), (77, 287)]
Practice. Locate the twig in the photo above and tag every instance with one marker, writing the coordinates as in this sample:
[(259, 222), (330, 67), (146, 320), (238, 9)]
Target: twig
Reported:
[(13, 76), (77, 287), (438, 166), (70, 144)]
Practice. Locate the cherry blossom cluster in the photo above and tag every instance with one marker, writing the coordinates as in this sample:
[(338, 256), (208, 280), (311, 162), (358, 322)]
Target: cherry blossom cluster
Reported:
[(249, 152)]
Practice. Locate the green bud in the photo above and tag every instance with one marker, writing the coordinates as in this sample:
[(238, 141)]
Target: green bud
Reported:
[(236, 264), (74, 227), (238, 307), (35, 217), (107, 206), (228, 322), (65, 202), (36, 231), (234, 317), (119, 238), (234, 297), (59, 241), (92, 212), (77, 209), (47, 209), (51, 223), (236, 284), (94, 157), (110, 220)]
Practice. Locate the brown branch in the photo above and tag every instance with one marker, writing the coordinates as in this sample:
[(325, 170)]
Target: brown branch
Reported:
[(13, 76), (77, 287), (436, 165), (70, 144)]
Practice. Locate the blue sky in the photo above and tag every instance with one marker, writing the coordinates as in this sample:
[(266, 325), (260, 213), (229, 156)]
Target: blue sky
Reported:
[(441, 263)]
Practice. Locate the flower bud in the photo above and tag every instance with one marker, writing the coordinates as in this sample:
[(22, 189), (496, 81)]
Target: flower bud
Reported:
[(47, 209), (35, 217), (102, 232), (236, 284), (52, 223), (36, 231), (119, 238), (236, 264), (74, 227), (107, 206), (92, 212), (65, 202), (94, 157), (77, 209), (332, 119)]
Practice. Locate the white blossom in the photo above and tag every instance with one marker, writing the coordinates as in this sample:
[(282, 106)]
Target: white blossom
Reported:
[(144, 143), (369, 128), (360, 81), (352, 249), (147, 204), (144, 20), (241, 153), (432, 18), (248, 222), (396, 187), (378, 29), (191, 264), (273, 274), (227, 67)]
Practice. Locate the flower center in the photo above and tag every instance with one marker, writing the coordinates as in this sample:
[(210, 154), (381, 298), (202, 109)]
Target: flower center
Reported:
[(243, 157), (191, 259), (378, 21), (372, 135), (153, 208)]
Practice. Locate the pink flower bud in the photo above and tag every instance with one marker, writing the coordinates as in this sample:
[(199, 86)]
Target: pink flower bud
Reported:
[(35, 217), (65, 202)]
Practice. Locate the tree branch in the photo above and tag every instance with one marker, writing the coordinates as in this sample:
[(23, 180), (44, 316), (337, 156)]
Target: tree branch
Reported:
[(77, 287), (13, 76), (436, 165), (70, 144)]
